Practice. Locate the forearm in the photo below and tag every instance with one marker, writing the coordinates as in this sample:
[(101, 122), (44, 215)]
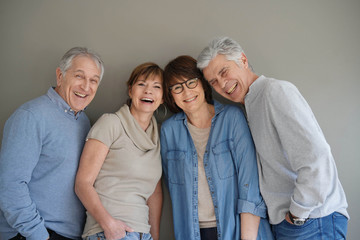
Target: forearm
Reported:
[(91, 201), (155, 206), (249, 226)]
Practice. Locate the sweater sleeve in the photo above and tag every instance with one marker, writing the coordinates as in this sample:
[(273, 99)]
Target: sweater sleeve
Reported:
[(21, 148), (304, 147), (244, 155)]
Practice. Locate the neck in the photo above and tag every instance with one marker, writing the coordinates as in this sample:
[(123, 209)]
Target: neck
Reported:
[(143, 119), (202, 117), (252, 78)]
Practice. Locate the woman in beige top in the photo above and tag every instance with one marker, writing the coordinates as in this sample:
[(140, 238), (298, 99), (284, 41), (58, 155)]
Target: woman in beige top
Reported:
[(118, 180)]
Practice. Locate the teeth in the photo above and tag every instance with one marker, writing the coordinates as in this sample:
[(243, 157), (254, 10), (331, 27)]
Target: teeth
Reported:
[(189, 100), (231, 89), (147, 100), (80, 95)]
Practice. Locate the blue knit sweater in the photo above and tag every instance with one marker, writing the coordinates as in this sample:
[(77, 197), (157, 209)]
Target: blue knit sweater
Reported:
[(41, 147)]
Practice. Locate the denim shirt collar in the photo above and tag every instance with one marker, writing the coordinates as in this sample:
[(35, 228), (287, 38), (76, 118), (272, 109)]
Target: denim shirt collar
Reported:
[(218, 109), (60, 102)]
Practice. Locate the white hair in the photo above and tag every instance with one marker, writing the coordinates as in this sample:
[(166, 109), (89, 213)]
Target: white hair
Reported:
[(221, 45), (66, 60)]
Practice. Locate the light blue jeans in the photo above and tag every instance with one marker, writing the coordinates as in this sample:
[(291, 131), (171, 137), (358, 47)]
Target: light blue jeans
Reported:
[(129, 236), (330, 227)]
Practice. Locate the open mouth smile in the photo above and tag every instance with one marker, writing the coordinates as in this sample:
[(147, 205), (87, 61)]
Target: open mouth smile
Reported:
[(79, 94), (232, 89), (147, 100)]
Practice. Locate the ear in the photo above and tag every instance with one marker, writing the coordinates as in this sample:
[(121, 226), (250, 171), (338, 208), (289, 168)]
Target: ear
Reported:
[(129, 92), (244, 61), (59, 76)]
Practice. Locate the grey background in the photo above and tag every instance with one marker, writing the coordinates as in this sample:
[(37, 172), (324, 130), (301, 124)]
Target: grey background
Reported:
[(311, 43)]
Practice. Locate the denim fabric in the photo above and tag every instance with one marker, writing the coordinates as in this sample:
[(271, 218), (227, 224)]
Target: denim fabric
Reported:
[(333, 226), (129, 236), (230, 167)]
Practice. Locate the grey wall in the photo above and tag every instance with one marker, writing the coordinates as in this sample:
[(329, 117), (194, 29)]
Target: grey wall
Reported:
[(314, 44)]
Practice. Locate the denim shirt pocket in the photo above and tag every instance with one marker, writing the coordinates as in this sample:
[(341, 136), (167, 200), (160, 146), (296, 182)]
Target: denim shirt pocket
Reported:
[(223, 159), (176, 161)]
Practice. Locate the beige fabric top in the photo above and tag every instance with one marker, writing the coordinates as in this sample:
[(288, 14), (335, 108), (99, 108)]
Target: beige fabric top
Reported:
[(130, 171), (206, 210)]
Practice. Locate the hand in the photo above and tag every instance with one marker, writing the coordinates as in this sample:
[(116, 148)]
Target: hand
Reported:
[(116, 229), (287, 218)]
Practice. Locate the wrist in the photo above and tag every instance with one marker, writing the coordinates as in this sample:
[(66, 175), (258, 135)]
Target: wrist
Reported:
[(296, 220)]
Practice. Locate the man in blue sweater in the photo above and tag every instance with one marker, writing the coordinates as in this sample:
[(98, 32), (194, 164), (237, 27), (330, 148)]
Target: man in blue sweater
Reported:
[(41, 147), (297, 174)]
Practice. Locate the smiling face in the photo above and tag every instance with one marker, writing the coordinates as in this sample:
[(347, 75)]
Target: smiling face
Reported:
[(146, 94), (229, 79), (79, 84), (190, 100)]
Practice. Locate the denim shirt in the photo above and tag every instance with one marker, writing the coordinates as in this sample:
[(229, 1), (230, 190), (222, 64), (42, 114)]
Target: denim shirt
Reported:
[(230, 167)]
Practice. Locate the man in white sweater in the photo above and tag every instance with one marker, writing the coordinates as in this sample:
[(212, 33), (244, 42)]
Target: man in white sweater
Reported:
[(298, 175)]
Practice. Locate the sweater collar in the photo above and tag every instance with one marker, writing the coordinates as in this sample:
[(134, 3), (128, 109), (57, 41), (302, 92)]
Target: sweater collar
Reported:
[(60, 102), (255, 88), (144, 140)]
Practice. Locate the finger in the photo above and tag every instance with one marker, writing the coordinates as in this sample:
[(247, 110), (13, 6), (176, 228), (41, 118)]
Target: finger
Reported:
[(128, 229)]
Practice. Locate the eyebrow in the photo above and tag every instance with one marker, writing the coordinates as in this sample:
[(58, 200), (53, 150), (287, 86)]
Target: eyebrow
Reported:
[(222, 70), (81, 71)]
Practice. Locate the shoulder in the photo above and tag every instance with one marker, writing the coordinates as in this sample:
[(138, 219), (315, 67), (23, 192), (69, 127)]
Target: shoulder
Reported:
[(276, 88), (231, 112), (172, 121), (34, 109), (107, 120), (39, 104)]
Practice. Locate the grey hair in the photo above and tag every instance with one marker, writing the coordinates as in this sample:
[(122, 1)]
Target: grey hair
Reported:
[(66, 60), (221, 45)]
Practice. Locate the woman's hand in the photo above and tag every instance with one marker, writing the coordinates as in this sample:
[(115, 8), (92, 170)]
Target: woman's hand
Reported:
[(116, 229)]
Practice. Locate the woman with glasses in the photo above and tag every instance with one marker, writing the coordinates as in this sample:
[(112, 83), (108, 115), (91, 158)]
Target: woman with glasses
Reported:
[(209, 162)]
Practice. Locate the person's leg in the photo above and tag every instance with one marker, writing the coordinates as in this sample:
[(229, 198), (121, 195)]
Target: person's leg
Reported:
[(208, 233)]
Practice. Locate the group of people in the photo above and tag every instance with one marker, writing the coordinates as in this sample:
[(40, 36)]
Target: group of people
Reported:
[(263, 173)]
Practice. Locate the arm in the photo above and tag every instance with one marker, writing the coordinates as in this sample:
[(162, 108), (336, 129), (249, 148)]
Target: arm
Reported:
[(155, 205), (249, 226), (250, 204), (306, 150), (91, 161), (20, 153)]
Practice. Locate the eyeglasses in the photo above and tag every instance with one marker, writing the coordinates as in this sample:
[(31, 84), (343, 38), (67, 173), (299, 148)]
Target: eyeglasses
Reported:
[(190, 84)]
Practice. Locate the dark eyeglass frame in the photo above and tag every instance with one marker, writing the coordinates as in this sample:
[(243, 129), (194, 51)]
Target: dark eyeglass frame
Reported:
[(173, 87)]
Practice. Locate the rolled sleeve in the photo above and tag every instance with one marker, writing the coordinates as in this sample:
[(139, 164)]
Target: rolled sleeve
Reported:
[(244, 206)]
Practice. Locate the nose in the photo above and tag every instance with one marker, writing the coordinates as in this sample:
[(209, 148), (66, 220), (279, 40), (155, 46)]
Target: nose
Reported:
[(222, 82), (85, 85), (148, 89)]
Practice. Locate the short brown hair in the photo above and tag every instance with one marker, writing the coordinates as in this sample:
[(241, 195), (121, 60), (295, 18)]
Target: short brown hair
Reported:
[(182, 67), (146, 69)]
